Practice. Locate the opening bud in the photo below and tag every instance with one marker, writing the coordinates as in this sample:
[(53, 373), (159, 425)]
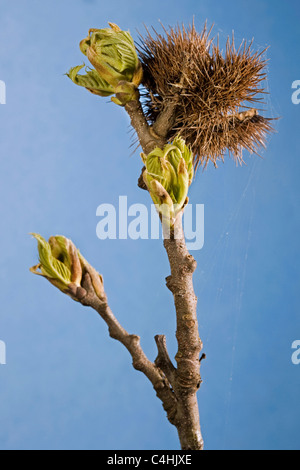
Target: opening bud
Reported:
[(112, 52), (91, 81), (61, 264), (125, 92), (168, 175)]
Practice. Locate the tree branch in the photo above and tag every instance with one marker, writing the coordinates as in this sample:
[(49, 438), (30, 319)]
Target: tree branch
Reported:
[(185, 380), (187, 375), (157, 135), (132, 344), (146, 136), (165, 120), (163, 360)]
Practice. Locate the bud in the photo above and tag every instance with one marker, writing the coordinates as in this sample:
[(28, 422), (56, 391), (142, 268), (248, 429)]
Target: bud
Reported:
[(125, 92), (91, 81), (59, 262), (168, 175), (112, 52), (96, 278), (63, 266), (187, 155)]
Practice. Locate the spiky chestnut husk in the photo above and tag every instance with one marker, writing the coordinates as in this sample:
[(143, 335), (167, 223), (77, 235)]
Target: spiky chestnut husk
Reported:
[(210, 91)]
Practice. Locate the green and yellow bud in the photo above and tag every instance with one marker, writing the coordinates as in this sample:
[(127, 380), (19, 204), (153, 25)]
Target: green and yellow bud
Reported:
[(125, 92), (168, 175), (62, 264), (58, 262), (91, 81), (96, 278), (112, 52)]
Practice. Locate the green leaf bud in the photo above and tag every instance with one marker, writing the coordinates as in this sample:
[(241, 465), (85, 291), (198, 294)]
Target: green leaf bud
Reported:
[(58, 262), (168, 175), (61, 264), (91, 81), (125, 92), (112, 52)]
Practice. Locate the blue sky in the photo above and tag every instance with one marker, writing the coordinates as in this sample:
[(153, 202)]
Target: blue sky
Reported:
[(66, 384)]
